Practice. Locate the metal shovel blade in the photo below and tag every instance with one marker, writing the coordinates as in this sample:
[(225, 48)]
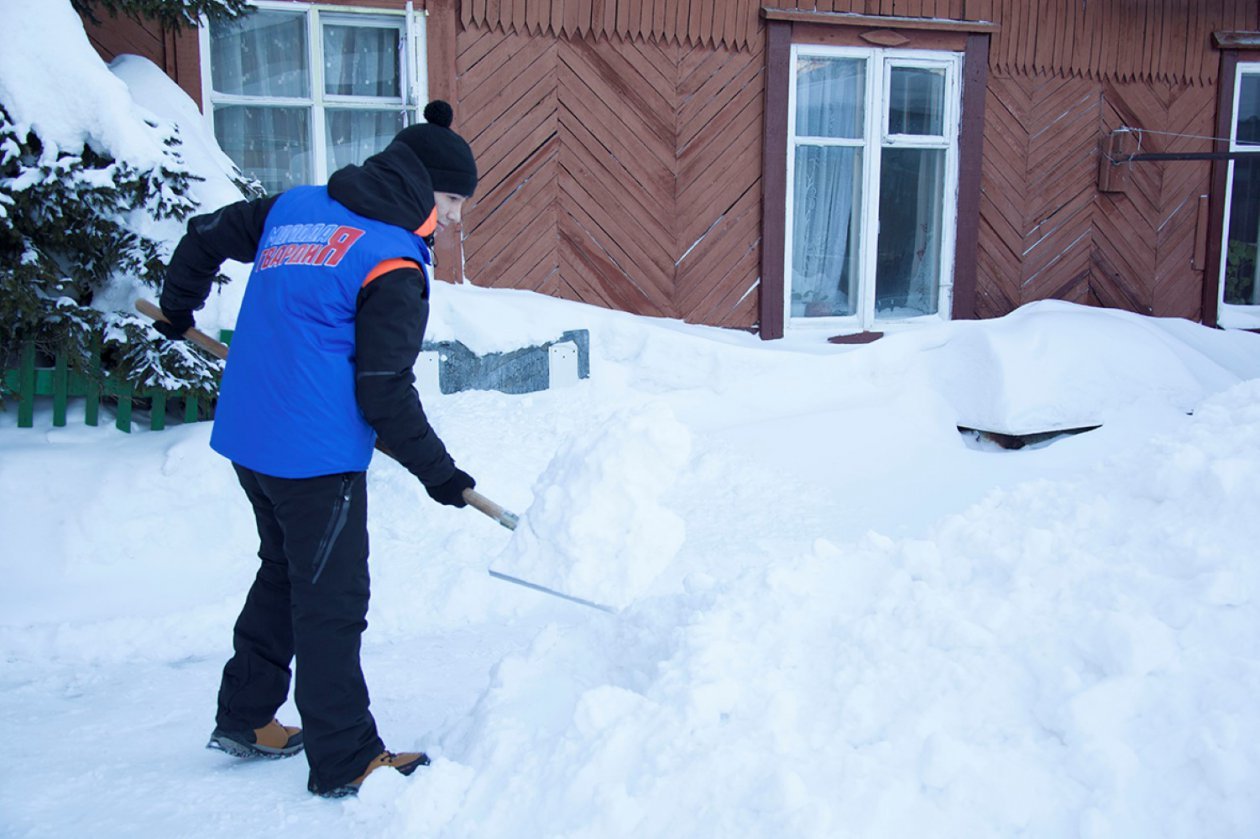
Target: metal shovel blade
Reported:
[(509, 520), (527, 584)]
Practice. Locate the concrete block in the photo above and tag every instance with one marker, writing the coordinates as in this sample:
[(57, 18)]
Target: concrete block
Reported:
[(557, 363)]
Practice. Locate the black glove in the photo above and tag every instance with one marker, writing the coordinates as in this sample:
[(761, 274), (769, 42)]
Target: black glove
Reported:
[(451, 492), (180, 322)]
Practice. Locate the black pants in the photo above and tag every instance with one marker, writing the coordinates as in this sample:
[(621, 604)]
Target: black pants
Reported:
[(309, 599)]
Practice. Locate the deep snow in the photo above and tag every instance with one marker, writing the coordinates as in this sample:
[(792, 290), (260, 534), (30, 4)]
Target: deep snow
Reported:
[(840, 616), (854, 620)]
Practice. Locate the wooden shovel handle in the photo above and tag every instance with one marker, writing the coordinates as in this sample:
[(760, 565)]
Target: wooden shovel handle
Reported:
[(479, 502), (201, 339)]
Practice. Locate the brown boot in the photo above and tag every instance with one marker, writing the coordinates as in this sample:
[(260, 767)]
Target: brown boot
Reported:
[(273, 740), (405, 762)]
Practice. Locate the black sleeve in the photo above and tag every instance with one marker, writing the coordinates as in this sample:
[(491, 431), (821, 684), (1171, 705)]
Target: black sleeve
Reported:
[(232, 232), (389, 329)]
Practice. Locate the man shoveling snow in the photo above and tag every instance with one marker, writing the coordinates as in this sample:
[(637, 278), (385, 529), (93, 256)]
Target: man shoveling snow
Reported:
[(321, 367)]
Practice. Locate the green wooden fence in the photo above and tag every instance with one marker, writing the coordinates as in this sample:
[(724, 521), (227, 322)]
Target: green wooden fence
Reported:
[(28, 381)]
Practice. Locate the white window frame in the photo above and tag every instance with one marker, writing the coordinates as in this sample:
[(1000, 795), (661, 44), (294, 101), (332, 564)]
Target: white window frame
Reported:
[(412, 70), (876, 138), (1234, 315)]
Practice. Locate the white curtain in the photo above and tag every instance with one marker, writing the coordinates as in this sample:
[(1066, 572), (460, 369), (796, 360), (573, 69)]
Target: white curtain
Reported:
[(361, 61), (830, 95), (925, 283), (354, 135), (827, 188), (264, 55), (261, 54)]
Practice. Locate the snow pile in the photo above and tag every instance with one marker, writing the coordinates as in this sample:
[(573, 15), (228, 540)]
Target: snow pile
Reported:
[(121, 552), (597, 528), (1068, 658), (837, 618), (1051, 366), (75, 101), (869, 629), (155, 94), (130, 111)]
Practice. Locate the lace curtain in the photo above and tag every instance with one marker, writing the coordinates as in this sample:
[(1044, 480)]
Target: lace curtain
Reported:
[(266, 55), (361, 61), (830, 98)]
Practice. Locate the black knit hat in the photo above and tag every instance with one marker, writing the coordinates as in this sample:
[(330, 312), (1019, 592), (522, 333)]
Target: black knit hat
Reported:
[(443, 152)]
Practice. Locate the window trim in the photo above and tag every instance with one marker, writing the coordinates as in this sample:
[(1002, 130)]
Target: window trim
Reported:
[(783, 28), (875, 139), (1234, 47), (411, 25), (1232, 315)]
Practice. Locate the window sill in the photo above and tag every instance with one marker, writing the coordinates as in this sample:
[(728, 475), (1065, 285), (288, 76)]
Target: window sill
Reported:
[(856, 338), (1239, 317)]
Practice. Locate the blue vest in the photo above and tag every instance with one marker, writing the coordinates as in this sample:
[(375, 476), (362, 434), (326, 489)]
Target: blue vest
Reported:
[(286, 405)]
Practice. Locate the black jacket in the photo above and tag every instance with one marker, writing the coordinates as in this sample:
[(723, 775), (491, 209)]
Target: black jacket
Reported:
[(392, 186)]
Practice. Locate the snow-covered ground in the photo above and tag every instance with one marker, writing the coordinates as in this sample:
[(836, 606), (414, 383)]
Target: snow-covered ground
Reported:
[(839, 615)]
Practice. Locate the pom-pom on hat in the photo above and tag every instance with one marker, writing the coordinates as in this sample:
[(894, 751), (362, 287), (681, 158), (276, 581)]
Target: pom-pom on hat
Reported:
[(444, 153)]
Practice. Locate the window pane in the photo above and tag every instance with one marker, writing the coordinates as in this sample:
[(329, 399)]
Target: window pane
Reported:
[(908, 256), (1242, 270), (825, 230), (362, 61), (261, 54), (916, 101), (1249, 108), (268, 143), (830, 94), (354, 135)]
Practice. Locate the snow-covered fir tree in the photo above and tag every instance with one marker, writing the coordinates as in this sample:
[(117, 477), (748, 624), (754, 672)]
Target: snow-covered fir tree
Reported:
[(64, 235), (74, 221), (170, 13)]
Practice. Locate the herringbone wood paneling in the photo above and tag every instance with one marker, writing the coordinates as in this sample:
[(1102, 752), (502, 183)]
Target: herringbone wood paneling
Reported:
[(626, 173), (620, 173), (1045, 229), (1121, 40), (1166, 194)]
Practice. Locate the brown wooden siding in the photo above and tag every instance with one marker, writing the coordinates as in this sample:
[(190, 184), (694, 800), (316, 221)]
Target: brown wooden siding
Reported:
[(1125, 40), (1047, 232), (1162, 41), (175, 53), (621, 173), (620, 143), (614, 177)]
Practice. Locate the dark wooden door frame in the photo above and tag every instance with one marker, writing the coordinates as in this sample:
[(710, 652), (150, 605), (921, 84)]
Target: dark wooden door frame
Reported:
[(970, 162), (783, 28), (774, 177)]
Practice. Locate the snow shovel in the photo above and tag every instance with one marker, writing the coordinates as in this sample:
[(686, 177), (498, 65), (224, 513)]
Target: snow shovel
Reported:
[(509, 520), (473, 498)]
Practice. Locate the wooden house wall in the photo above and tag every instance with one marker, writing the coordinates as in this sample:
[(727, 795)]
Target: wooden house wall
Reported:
[(1125, 40), (621, 149), (620, 144), (624, 173), (1046, 231), (175, 52)]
